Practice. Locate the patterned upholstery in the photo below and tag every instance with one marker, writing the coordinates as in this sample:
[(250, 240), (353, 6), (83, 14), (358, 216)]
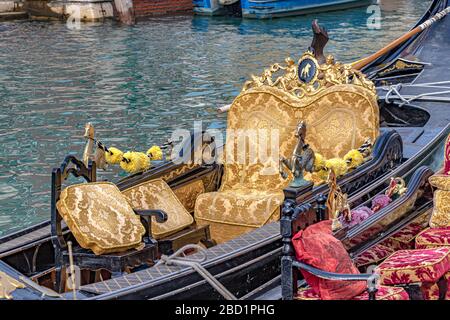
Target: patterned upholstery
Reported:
[(100, 217), (404, 239), (441, 201), (447, 156), (188, 193), (433, 238), (430, 291), (347, 113), (413, 266), (373, 255), (156, 194), (447, 294), (383, 293), (441, 181)]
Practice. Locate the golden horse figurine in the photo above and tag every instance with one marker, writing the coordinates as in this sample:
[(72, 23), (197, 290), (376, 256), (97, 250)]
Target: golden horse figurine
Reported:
[(302, 158)]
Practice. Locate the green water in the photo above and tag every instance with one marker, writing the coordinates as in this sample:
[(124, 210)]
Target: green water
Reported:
[(137, 84)]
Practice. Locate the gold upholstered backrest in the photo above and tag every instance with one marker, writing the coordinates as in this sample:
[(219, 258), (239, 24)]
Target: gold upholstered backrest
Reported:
[(100, 217), (157, 195), (339, 118)]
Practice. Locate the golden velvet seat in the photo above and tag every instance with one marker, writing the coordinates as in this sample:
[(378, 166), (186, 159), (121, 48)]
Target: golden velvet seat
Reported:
[(100, 217), (157, 195), (341, 114)]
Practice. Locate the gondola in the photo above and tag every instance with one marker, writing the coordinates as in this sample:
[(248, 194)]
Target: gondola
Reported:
[(389, 248), (46, 261)]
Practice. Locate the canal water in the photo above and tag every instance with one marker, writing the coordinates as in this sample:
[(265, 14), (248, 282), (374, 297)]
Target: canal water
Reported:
[(137, 84)]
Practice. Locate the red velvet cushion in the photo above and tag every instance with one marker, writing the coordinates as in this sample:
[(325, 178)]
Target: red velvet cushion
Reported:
[(373, 255), (433, 238), (317, 247), (383, 293), (410, 266)]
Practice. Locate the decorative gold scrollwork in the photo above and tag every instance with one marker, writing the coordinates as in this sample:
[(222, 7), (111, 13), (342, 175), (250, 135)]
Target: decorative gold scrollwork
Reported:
[(8, 285), (401, 65), (325, 75)]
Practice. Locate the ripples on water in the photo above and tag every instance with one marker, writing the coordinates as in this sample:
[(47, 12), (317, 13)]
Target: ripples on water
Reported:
[(137, 84)]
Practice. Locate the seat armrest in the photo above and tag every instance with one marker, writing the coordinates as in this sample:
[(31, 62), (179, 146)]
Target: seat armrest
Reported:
[(160, 215), (146, 220), (372, 279)]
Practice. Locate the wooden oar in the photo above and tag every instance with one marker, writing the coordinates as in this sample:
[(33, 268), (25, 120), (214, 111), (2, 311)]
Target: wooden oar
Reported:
[(363, 62)]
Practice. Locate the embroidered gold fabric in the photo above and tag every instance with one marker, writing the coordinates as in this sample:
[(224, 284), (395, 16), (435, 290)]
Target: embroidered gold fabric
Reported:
[(178, 172), (244, 207), (100, 217), (188, 193), (441, 201), (441, 209), (8, 285), (440, 181), (340, 116), (156, 194)]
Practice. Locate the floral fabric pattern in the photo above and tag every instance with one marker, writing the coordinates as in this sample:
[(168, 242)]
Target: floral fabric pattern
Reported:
[(447, 294), (441, 209), (383, 293), (412, 266), (433, 238), (408, 234), (100, 217), (339, 118), (373, 255), (430, 291), (156, 194)]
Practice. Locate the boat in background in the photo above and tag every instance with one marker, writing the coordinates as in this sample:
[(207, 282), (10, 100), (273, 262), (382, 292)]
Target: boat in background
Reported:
[(217, 7), (265, 9)]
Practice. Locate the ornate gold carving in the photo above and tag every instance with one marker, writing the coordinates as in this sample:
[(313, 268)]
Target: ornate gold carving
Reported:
[(8, 285), (400, 65), (328, 74)]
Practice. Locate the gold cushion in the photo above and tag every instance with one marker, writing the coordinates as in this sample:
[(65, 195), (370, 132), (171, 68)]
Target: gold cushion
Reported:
[(188, 193), (156, 194), (441, 209), (242, 207), (440, 181), (441, 201), (100, 218)]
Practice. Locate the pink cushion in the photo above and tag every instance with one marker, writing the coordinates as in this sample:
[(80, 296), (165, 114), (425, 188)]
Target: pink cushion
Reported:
[(411, 266), (433, 237), (373, 255), (383, 293)]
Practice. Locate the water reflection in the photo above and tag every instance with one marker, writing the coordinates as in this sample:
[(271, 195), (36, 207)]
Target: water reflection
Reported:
[(137, 84)]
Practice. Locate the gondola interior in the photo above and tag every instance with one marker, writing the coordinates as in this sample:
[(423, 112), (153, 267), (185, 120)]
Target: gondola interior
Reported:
[(122, 240)]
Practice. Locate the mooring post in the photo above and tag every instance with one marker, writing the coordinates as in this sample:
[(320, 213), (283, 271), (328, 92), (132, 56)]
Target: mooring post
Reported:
[(125, 11)]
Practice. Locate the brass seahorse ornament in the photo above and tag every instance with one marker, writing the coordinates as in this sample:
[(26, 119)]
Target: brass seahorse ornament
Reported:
[(302, 158)]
